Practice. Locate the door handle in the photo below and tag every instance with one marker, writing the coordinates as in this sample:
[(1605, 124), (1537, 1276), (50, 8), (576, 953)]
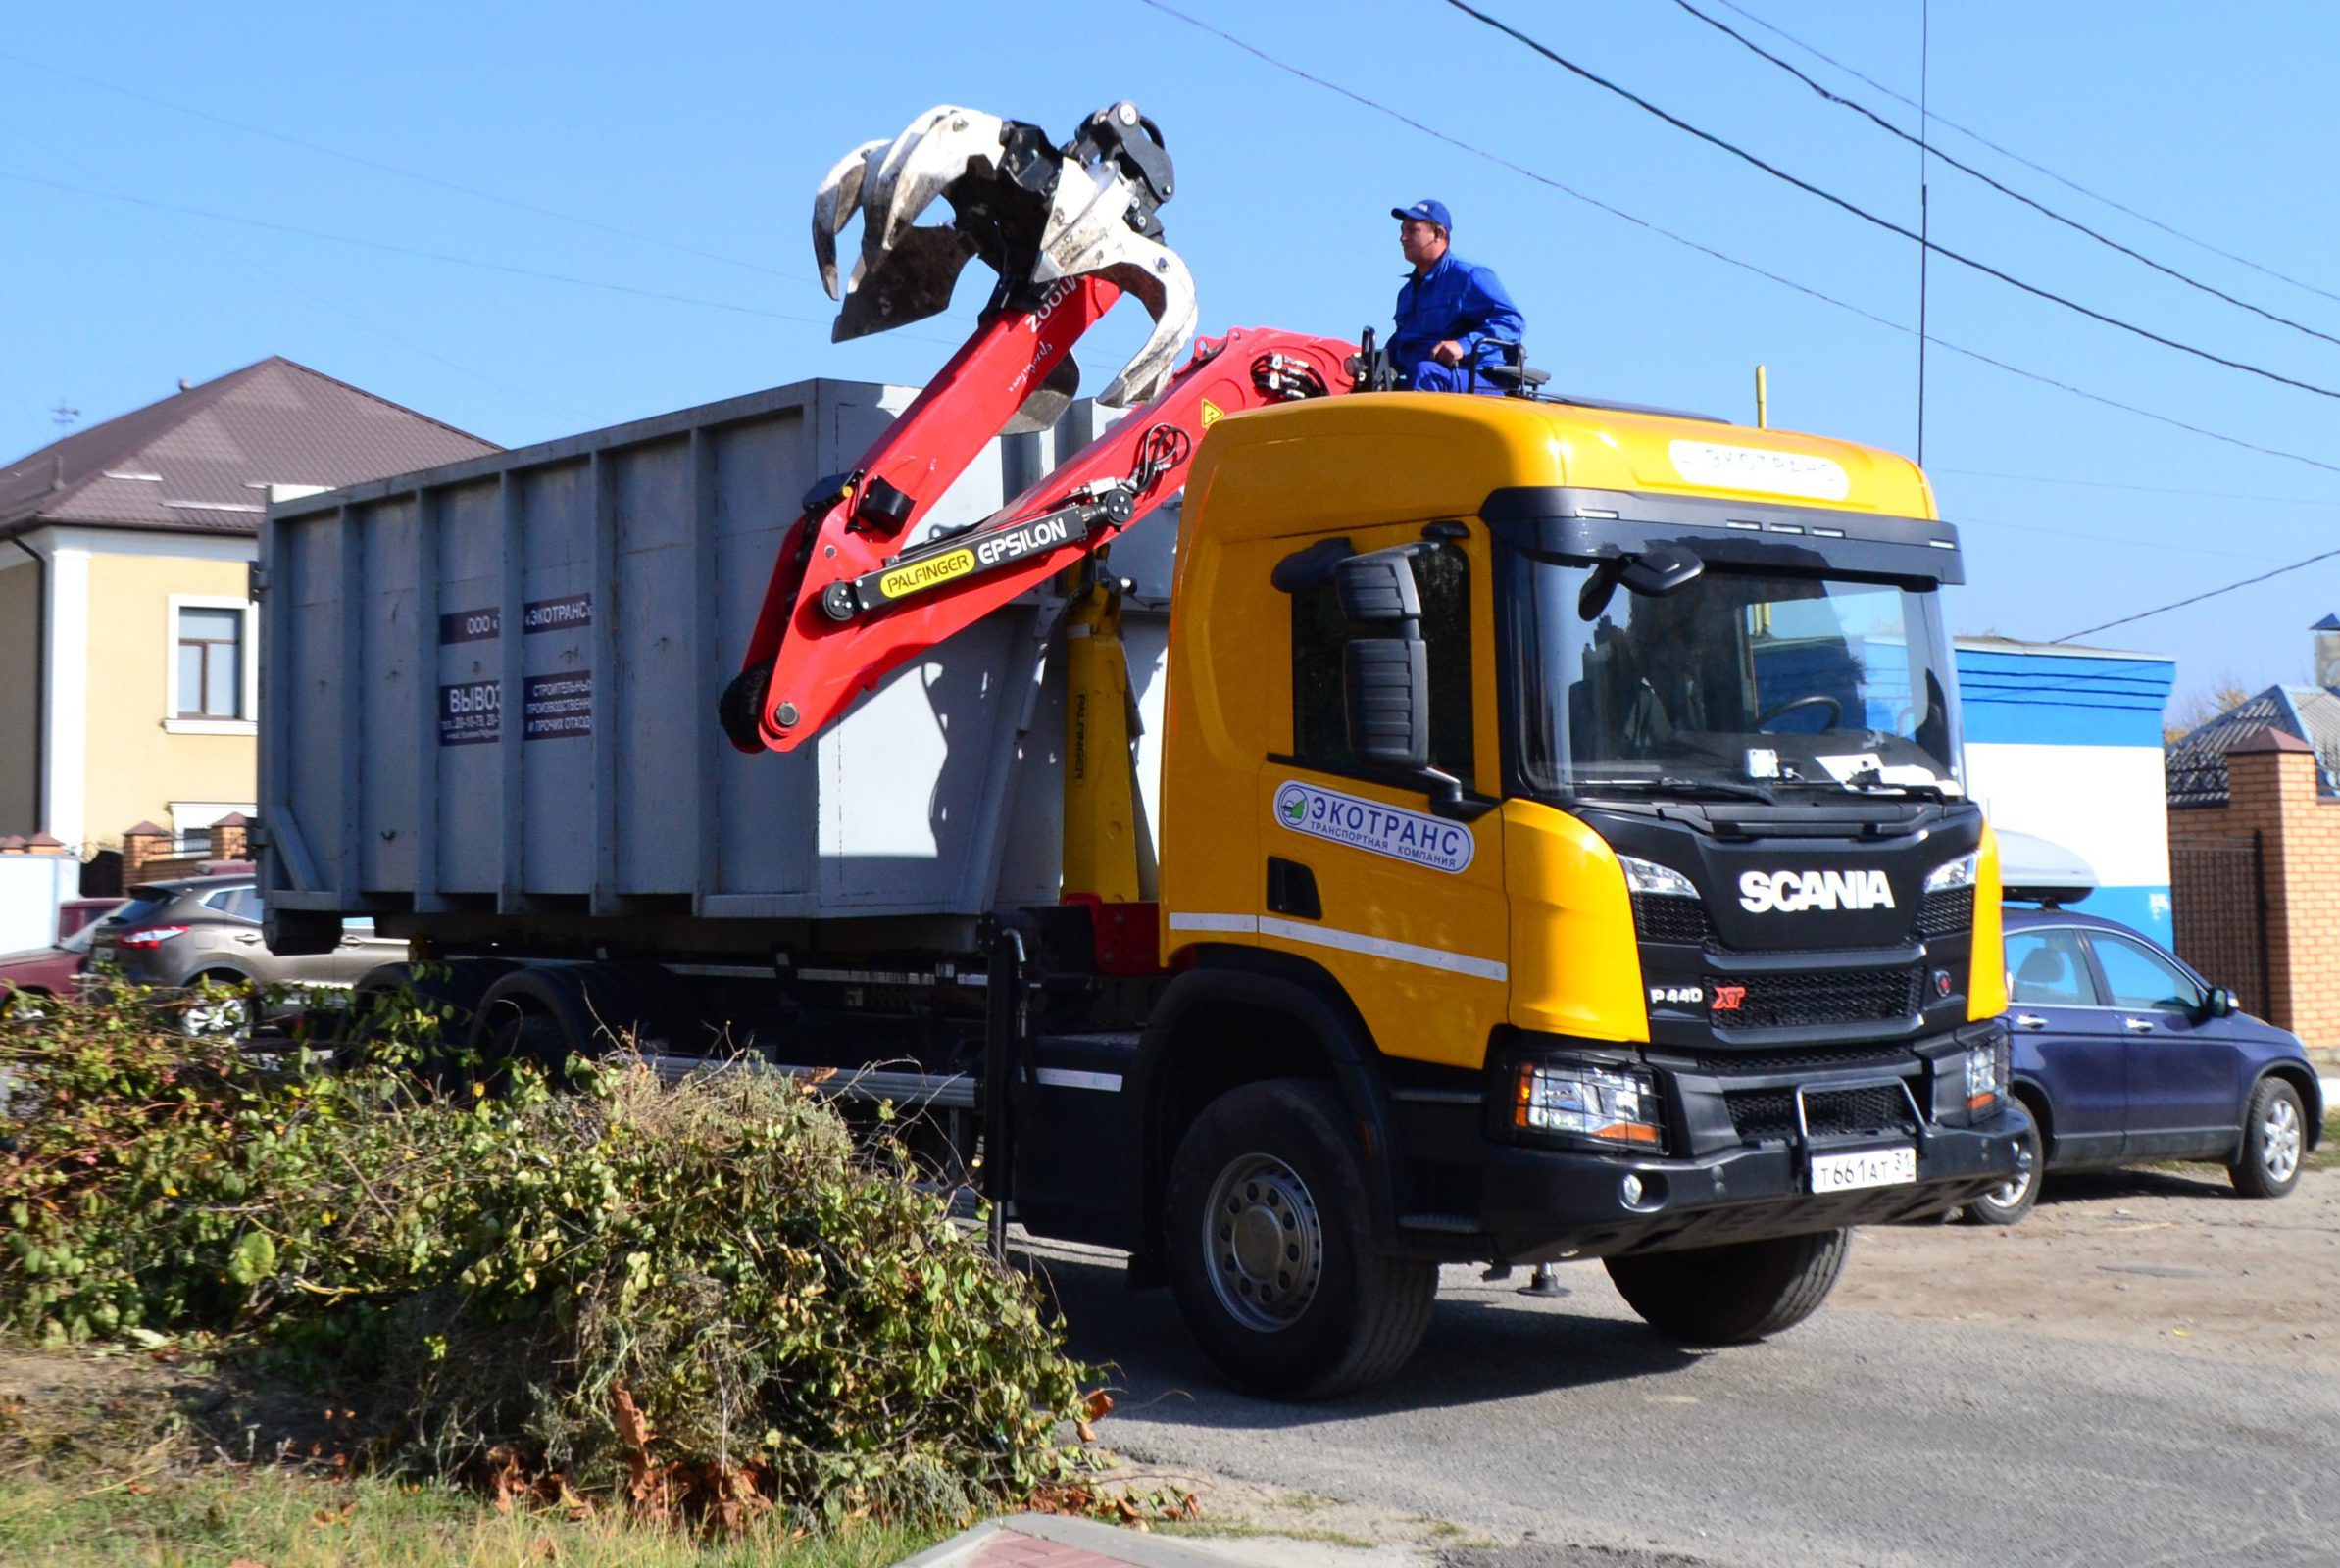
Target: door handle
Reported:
[(247, 938), (2030, 1020), (2137, 1026)]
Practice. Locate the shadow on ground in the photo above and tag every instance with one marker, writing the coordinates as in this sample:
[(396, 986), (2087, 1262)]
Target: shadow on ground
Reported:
[(1482, 1345)]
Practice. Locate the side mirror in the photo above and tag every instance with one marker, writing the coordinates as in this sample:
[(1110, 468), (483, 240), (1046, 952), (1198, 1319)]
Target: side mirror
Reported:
[(1656, 572), (1378, 587), (2220, 1003), (1387, 683), (1661, 569)]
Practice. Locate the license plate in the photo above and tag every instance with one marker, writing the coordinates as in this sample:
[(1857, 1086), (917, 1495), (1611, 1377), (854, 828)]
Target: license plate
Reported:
[(1864, 1167)]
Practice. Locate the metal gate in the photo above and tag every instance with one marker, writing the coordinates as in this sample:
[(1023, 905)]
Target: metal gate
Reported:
[(2217, 896)]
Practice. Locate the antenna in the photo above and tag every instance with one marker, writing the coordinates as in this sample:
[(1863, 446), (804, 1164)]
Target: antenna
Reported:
[(63, 417)]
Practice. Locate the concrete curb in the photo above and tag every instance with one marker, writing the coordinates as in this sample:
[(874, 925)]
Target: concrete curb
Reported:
[(1108, 1544)]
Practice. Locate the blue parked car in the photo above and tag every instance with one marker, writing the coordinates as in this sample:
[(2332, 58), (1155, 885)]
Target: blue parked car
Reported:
[(2122, 1055)]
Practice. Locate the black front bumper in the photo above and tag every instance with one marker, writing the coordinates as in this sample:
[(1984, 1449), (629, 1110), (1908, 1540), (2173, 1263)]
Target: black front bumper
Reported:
[(1540, 1202)]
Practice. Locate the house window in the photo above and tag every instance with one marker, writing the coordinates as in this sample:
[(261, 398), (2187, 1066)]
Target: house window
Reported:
[(210, 663)]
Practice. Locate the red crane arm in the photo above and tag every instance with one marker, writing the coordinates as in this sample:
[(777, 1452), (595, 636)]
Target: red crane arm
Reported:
[(849, 603)]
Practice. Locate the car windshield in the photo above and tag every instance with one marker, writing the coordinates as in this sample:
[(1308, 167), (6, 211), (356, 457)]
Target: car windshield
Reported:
[(1741, 682)]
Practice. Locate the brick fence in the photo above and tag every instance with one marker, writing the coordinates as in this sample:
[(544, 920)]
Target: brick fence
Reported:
[(2272, 803)]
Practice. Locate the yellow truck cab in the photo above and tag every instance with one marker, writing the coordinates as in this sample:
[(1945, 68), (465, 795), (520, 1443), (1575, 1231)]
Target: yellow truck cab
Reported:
[(1563, 854)]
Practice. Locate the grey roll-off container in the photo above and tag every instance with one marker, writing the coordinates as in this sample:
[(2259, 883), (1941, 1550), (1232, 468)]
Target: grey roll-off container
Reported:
[(488, 700)]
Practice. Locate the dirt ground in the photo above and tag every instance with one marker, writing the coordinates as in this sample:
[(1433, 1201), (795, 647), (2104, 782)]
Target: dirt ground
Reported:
[(2170, 1255)]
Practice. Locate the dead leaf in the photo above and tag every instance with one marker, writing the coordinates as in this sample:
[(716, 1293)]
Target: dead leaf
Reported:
[(543, 1550), (1098, 1407)]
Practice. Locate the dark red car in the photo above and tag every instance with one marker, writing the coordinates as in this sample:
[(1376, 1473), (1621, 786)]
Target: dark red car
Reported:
[(37, 972)]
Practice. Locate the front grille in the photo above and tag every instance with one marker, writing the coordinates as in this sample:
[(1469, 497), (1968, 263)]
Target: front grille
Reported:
[(1947, 914), (1816, 1058), (1671, 917), (1879, 1108), (1816, 997)]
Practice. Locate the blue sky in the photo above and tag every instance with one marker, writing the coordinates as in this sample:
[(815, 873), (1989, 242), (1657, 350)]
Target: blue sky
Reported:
[(693, 137)]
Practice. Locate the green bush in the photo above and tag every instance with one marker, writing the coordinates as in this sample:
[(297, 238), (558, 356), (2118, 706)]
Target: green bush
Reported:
[(707, 1295)]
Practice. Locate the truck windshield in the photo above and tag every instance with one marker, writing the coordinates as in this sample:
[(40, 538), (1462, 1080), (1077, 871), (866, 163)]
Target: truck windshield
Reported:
[(1742, 683)]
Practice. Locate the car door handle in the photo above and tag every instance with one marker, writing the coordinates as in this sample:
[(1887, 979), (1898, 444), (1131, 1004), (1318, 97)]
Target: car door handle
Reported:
[(2030, 1020), (247, 938), (2137, 1026)]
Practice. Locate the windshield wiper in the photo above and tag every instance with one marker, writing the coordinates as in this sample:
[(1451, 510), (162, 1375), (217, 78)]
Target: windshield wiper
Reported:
[(1868, 781), (1712, 789)]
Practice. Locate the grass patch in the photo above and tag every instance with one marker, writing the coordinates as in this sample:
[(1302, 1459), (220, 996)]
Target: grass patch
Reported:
[(210, 1518), (710, 1303)]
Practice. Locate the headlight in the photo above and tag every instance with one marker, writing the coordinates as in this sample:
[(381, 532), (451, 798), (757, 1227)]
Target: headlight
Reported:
[(1958, 873), (1646, 876), (1986, 1074), (1602, 1102)]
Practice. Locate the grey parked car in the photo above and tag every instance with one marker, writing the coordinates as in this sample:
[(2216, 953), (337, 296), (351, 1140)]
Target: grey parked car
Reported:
[(174, 935)]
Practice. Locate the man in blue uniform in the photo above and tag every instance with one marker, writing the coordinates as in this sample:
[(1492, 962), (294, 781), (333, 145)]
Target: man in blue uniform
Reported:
[(1454, 316)]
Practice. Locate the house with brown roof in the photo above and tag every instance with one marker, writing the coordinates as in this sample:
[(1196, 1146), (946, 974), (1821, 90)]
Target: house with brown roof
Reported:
[(127, 636)]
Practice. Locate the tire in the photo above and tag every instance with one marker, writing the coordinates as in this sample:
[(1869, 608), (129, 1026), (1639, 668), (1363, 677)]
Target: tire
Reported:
[(1271, 1166), (24, 1007), (1735, 1294), (2274, 1137), (533, 1038), (2004, 1205)]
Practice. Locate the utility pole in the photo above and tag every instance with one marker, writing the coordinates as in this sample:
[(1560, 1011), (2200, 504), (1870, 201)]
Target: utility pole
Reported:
[(1925, 248)]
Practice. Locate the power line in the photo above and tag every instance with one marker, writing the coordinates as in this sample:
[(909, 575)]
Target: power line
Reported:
[(406, 250), (2125, 541), (403, 172), (1862, 110), (2012, 156), (309, 295), (1724, 257), (1885, 224), (2195, 599), (2148, 489)]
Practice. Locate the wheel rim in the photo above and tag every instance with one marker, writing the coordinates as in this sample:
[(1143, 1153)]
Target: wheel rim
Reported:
[(2279, 1140), (216, 1016), (2026, 1161), (1265, 1243)]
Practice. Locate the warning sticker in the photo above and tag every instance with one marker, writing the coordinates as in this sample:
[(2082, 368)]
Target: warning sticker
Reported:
[(1212, 414), (559, 706)]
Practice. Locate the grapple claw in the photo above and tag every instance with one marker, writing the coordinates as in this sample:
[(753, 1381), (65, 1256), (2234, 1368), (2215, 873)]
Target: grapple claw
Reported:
[(942, 145), (1041, 215), (839, 196)]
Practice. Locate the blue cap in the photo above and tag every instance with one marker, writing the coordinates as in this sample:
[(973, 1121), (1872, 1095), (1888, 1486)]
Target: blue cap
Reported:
[(1428, 212)]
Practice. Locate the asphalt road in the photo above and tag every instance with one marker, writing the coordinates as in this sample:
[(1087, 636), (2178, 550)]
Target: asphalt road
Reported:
[(1858, 1438)]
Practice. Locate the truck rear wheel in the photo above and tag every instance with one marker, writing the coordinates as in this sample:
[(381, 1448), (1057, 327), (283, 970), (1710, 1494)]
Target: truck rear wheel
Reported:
[(1272, 1247), (1735, 1294)]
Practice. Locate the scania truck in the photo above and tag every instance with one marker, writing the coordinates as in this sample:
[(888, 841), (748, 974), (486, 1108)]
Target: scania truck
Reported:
[(1506, 828)]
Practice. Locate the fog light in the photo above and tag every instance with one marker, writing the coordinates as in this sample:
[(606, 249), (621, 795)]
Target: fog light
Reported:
[(1630, 1191), (1986, 1073), (1610, 1105)]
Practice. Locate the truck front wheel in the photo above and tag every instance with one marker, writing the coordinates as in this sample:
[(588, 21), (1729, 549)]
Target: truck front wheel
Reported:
[(1735, 1294), (1272, 1247)]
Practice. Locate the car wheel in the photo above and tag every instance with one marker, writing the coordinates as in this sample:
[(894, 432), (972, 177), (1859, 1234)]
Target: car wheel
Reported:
[(24, 1007), (1735, 1294), (2274, 1135), (216, 1004), (1272, 1253), (2004, 1205)]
